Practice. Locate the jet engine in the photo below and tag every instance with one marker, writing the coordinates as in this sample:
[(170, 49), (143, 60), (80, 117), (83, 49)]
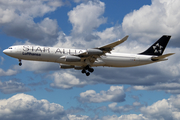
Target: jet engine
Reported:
[(64, 66), (94, 52), (72, 59), (78, 67)]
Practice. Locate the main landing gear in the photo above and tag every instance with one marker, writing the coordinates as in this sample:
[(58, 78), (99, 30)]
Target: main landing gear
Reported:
[(20, 63), (87, 70)]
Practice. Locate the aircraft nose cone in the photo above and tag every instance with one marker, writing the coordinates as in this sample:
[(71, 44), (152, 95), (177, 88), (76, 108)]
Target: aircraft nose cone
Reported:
[(5, 51)]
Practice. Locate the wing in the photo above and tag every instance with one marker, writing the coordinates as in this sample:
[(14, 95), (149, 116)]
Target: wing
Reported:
[(109, 47), (92, 54)]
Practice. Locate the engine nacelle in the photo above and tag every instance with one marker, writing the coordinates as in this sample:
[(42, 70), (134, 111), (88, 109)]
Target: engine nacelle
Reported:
[(72, 59), (94, 52), (64, 66), (78, 67)]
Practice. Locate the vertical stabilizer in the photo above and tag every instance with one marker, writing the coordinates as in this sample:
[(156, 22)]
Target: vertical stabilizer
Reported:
[(158, 47)]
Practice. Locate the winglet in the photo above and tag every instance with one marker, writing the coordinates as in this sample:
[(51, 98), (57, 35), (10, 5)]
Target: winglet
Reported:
[(124, 39)]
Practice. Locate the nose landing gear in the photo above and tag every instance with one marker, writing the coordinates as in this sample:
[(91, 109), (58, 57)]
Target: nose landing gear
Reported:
[(20, 63), (87, 70)]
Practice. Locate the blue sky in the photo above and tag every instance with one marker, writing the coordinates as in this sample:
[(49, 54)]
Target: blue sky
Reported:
[(40, 90)]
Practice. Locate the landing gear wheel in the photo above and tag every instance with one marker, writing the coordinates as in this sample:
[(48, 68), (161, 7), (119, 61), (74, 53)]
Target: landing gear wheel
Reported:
[(87, 67), (20, 64), (87, 74), (83, 71), (87, 70), (91, 70)]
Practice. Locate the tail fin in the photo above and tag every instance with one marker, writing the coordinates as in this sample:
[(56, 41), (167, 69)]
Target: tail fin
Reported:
[(158, 47)]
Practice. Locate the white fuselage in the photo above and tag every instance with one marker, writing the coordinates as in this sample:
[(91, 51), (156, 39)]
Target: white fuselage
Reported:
[(54, 54)]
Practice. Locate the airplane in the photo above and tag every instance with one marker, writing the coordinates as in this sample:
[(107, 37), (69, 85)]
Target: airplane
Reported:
[(84, 60)]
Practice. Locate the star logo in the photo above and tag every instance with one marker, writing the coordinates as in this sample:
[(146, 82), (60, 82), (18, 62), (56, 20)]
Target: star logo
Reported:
[(157, 48)]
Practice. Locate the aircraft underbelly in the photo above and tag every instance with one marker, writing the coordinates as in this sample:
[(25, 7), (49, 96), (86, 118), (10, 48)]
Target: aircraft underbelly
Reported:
[(119, 62), (125, 61)]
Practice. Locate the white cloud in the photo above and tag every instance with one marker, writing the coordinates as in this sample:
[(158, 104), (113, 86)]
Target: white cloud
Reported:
[(125, 108), (26, 107), (9, 72), (151, 21), (17, 19), (49, 26), (2, 59), (77, 1), (87, 17), (10, 86), (66, 80), (6, 16), (167, 109), (167, 87), (36, 66), (42, 33), (31, 8), (114, 94), (111, 33), (75, 117), (65, 41), (173, 64), (22, 106), (159, 110), (132, 117), (125, 117), (56, 3)]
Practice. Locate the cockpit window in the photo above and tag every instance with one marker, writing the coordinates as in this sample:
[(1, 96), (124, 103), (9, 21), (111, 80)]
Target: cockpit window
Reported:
[(10, 48)]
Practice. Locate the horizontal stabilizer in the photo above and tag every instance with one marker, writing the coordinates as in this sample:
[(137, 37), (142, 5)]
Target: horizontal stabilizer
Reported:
[(161, 57)]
